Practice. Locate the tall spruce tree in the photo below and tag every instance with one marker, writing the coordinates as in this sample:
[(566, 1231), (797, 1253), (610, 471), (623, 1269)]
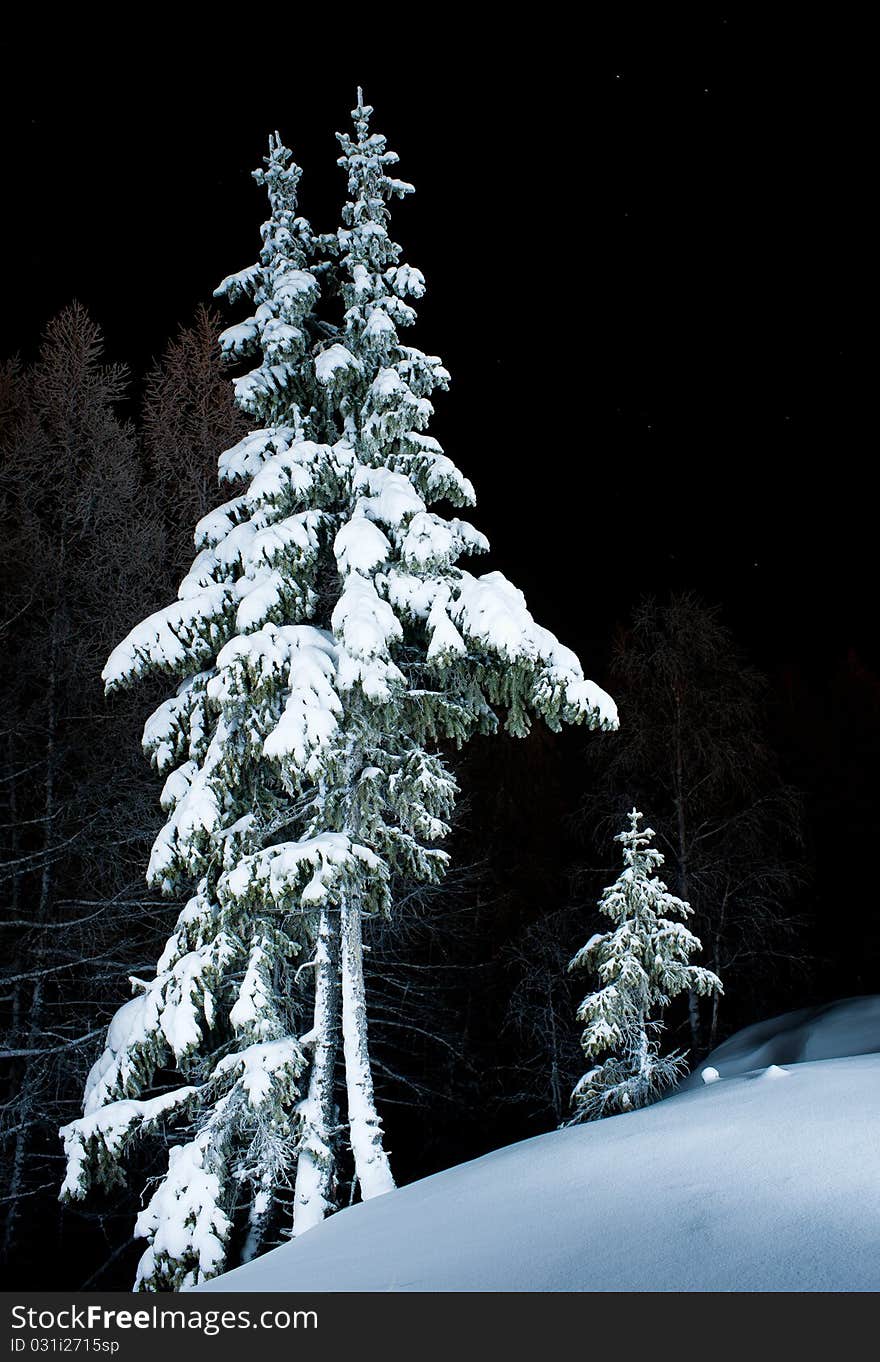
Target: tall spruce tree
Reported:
[(327, 646), (640, 965)]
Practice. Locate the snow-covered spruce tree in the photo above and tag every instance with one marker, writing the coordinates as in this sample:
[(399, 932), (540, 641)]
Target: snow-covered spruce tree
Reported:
[(327, 644), (640, 965)]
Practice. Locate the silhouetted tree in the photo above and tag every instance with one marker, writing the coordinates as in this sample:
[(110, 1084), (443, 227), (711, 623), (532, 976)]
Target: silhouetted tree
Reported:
[(189, 414), (80, 533)]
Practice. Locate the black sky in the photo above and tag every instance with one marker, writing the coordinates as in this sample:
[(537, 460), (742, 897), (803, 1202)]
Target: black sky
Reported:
[(645, 246)]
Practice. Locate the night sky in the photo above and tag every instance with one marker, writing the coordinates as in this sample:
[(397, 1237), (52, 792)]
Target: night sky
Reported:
[(645, 253)]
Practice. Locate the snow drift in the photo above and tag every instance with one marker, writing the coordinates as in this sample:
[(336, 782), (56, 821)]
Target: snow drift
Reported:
[(767, 1180), (829, 1031)]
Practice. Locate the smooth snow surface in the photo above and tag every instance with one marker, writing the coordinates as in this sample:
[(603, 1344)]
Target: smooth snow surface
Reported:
[(741, 1185), (850, 1026)]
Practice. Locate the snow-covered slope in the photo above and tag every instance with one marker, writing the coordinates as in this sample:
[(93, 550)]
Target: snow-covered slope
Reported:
[(830, 1031), (768, 1180)]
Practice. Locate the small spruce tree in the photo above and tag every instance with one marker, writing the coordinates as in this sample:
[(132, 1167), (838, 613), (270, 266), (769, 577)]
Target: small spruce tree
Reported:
[(640, 965), (326, 643)]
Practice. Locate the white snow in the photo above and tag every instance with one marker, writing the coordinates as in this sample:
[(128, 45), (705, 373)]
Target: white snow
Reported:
[(253, 999), (170, 636), (182, 1218), (446, 641), (217, 523), (360, 546), (295, 538), (260, 596), (279, 339), (335, 359), (850, 1026), (736, 1186), (237, 285), (365, 626), (493, 611), (378, 324), (432, 541), (411, 596), (167, 1008), (175, 726), (256, 1065), (311, 711), (283, 868), (295, 290), (387, 384), (112, 1125), (195, 813), (391, 496), (245, 460), (291, 470), (406, 280), (239, 339)]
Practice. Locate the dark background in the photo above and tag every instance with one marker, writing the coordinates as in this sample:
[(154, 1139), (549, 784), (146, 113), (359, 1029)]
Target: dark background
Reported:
[(645, 247)]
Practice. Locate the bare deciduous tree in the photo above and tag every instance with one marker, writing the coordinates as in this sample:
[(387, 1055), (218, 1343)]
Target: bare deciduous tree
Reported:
[(80, 532), (188, 417)]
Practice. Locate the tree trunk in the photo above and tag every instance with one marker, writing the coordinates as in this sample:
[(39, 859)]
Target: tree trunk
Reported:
[(258, 1220), (316, 1166), (682, 857), (555, 1080), (372, 1169), (642, 1047), (27, 1110), (716, 965)]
